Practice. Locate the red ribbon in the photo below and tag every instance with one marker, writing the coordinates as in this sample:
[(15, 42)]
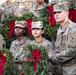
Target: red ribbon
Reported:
[(2, 62), (72, 14), (50, 9), (11, 27), (36, 55), (29, 21), (51, 19)]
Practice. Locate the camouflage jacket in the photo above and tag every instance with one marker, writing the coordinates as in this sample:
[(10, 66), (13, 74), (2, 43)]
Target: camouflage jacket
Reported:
[(65, 46), (24, 7), (36, 9), (9, 8), (18, 48)]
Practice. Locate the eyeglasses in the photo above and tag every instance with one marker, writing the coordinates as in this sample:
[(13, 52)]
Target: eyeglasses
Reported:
[(57, 12)]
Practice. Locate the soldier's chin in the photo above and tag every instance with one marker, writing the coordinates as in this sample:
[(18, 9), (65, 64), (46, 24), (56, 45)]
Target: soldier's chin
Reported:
[(59, 21), (17, 34)]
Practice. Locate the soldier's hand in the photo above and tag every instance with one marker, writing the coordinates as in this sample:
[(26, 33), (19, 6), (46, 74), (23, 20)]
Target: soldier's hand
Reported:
[(17, 61)]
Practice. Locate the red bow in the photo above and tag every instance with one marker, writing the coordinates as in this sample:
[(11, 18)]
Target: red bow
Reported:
[(2, 62), (72, 15), (50, 9), (36, 55), (29, 21), (51, 19), (11, 27)]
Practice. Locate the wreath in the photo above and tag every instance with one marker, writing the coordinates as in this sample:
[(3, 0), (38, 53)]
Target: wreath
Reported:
[(36, 63), (50, 28), (7, 65)]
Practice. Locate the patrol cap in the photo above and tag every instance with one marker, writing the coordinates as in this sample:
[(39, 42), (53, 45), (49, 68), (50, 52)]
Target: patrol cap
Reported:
[(38, 24), (61, 6), (21, 24)]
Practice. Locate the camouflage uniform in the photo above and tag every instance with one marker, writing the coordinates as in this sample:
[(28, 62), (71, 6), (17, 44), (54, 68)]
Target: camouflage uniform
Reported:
[(36, 10), (18, 47), (65, 54), (24, 7), (44, 42), (2, 42), (9, 8), (1, 12), (63, 59)]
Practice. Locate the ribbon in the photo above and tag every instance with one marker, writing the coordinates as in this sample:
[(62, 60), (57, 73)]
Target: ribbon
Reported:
[(72, 14), (51, 19), (11, 27), (36, 55), (75, 15), (2, 62), (29, 21), (50, 9)]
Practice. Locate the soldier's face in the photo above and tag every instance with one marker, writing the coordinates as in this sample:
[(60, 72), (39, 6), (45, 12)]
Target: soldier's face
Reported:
[(10, 1), (40, 1), (60, 16), (19, 31), (36, 32)]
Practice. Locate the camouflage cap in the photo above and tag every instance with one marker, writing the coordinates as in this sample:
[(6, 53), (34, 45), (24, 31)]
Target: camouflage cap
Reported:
[(61, 6), (21, 24), (38, 24)]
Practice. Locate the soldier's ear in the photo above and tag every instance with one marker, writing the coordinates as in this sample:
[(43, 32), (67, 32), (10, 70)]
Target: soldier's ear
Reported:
[(67, 12), (42, 31), (24, 31)]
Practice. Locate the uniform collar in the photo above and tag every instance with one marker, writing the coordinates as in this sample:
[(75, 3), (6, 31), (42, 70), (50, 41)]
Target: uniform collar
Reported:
[(40, 41), (62, 30), (41, 6), (21, 41)]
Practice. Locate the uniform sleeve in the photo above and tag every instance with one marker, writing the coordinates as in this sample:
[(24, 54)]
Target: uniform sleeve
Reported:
[(12, 48), (2, 42), (50, 48), (69, 52)]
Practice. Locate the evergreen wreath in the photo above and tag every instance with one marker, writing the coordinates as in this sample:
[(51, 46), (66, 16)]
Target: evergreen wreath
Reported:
[(42, 65), (9, 68)]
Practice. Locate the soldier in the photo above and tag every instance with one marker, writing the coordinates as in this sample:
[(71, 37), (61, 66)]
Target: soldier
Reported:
[(24, 7), (63, 60), (1, 12), (2, 42), (38, 7), (8, 8), (18, 46), (37, 32)]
